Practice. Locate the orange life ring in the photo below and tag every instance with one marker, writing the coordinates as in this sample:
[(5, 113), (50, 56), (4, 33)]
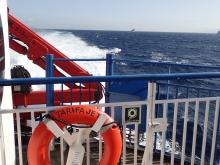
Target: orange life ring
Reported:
[(39, 142)]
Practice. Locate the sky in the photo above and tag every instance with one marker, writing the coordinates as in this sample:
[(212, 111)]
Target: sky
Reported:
[(142, 15)]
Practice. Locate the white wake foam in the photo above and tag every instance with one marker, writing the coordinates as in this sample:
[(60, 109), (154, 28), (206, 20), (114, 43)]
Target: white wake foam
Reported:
[(73, 47)]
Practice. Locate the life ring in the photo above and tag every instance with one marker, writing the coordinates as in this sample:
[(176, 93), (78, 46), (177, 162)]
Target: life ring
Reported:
[(38, 146)]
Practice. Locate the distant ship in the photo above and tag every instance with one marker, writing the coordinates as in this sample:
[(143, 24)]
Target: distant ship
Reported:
[(218, 33), (132, 30)]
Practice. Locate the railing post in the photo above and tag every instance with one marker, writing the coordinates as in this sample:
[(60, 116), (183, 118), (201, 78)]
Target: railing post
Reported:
[(49, 87), (168, 82), (156, 114), (217, 158), (109, 72), (148, 152), (109, 64)]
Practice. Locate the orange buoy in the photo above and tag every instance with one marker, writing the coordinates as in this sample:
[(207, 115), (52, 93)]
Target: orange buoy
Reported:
[(38, 146)]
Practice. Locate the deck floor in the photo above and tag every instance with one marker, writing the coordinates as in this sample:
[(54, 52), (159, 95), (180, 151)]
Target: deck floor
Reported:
[(94, 157)]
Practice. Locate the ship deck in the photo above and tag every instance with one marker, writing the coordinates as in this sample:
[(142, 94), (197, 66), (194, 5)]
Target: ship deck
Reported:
[(94, 157), (177, 111)]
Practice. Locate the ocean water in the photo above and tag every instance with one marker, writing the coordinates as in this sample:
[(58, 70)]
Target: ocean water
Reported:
[(166, 47), (184, 48)]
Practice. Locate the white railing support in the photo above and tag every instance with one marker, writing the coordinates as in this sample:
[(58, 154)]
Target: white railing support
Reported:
[(153, 125), (148, 152)]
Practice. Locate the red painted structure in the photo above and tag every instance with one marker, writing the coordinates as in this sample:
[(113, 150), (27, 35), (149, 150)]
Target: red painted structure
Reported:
[(24, 41)]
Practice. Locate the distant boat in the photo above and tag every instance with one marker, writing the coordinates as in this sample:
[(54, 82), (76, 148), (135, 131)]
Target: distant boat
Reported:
[(218, 33), (133, 30)]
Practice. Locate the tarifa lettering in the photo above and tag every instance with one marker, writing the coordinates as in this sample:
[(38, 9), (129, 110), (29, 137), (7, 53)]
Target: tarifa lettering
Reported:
[(77, 110)]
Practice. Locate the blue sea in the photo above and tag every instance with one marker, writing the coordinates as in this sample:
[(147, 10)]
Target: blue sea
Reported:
[(180, 48), (151, 46)]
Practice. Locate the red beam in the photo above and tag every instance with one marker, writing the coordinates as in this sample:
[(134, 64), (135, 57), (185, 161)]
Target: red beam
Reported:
[(39, 97)]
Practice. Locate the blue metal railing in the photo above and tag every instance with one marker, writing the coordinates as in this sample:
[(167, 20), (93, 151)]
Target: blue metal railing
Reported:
[(81, 79), (186, 90), (110, 61), (138, 61), (167, 64), (79, 59), (50, 80), (49, 87)]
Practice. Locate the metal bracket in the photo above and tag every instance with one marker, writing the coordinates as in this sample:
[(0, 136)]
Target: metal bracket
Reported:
[(158, 124)]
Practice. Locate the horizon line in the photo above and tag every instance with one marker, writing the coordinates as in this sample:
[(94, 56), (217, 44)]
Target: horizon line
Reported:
[(136, 31)]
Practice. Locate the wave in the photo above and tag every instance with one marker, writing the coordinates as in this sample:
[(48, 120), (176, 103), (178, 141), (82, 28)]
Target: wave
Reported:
[(160, 57)]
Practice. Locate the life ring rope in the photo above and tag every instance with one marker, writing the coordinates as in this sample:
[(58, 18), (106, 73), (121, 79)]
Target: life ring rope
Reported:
[(50, 116), (58, 132)]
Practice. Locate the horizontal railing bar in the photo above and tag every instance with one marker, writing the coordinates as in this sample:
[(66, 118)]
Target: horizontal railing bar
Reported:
[(145, 102), (108, 105), (186, 100), (79, 59), (80, 79), (147, 62), (44, 109), (28, 110), (190, 87), (167, 63)]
